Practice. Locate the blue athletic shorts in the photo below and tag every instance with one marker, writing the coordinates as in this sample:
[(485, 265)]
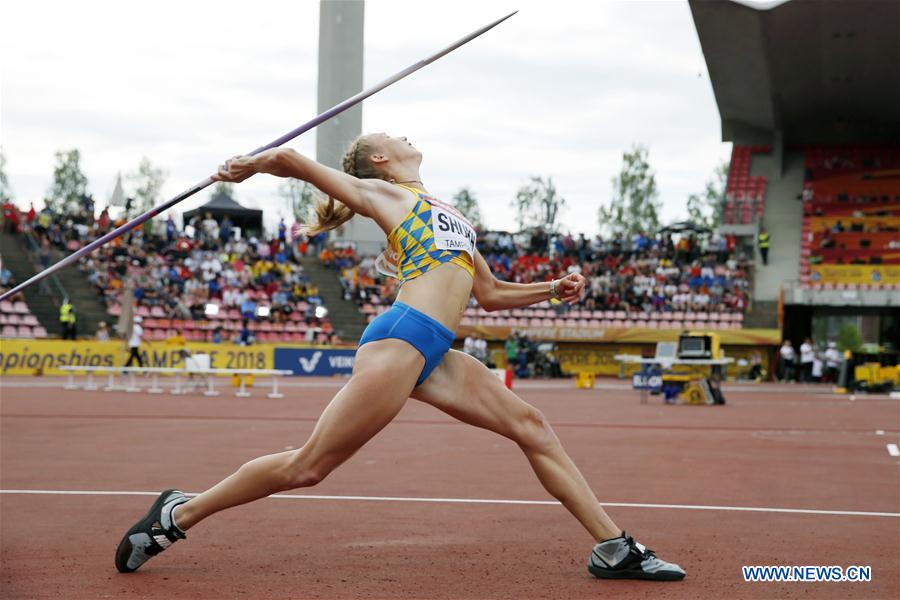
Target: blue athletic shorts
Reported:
[(426, 335)]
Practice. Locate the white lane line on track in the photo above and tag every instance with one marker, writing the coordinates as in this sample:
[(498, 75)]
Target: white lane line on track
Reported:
[(805, 511), (893, 450)]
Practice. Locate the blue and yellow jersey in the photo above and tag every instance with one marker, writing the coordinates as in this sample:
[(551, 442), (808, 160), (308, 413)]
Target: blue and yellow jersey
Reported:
[(431, 234)]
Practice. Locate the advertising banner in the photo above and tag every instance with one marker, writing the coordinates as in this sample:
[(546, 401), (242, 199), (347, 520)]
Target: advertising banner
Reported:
[(739, 337), (855, 274), (44, 357), (315, 361)]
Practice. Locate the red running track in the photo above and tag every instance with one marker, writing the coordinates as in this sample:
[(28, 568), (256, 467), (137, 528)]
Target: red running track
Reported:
[(770, 447)]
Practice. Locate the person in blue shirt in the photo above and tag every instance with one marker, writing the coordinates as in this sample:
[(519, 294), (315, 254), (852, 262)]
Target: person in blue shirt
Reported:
[(225, 230), (248, 309), (170, 230), (282, 234)]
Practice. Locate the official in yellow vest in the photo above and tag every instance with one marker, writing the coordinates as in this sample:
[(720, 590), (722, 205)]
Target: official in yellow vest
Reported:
[(67, 319), (763, 240)]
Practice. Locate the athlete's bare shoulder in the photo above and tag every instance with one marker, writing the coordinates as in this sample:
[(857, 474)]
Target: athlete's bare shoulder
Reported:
[(390, 202)]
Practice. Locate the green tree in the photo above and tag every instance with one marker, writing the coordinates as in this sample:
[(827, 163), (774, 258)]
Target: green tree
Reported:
[(300, 197), (705, 208), (635, 205), (69, 182), (223, 187), (538, 204), (465, 202), (5, 193), (849, 337), (147, 181)]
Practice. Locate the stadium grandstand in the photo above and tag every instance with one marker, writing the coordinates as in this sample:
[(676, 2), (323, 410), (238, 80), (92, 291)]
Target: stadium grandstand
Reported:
[(809, 93), (204, 282)]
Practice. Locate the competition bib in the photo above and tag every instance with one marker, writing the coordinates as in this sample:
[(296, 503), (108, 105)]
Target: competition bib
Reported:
[(452, 231)]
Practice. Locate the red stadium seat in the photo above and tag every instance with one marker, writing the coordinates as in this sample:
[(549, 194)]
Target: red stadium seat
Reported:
[(39, 332)]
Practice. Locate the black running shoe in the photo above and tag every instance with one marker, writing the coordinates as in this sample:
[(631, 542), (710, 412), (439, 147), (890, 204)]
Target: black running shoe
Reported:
[(152, 534), (624, 558)]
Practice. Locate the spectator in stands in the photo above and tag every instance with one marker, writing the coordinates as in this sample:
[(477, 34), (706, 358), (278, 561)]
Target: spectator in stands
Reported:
[(10, 217), (469, 345), (245, 337), (763, 242), (171, 230), (209, 228), (44, 253), (102, 332), (176, 338), (177, 342), (226, 230), (786, 362), (282, 233), (134, 343), (218, 336), (67, 319), (30, 215), (248, 309), (5, 276), (807, 358), (481, 349)]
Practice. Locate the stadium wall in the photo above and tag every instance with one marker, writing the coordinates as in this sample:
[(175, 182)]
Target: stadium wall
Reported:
[(593, 353), (44, 357)]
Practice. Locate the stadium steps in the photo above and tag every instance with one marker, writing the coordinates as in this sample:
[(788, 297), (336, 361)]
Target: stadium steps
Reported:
[(88, 306), (43, 305), (784, 222), (344, 315)]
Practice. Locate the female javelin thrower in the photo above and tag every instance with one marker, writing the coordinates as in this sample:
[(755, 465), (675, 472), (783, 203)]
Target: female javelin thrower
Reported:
[(404, 353)]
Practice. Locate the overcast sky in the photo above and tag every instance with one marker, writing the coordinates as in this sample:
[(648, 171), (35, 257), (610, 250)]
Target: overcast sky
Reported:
[(560, 90)]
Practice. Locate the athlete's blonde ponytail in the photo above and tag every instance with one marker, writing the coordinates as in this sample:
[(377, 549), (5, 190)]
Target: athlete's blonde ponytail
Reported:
[(331, 213)]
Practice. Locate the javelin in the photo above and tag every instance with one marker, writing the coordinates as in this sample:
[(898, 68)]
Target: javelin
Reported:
[(331, 112)]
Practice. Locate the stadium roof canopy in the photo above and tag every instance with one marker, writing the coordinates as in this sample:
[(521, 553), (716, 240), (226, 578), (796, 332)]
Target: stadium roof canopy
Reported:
[(803, 71)]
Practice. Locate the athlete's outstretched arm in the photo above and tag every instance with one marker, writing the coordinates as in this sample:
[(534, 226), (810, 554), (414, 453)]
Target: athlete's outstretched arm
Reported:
[(493, 294), (358, 194)]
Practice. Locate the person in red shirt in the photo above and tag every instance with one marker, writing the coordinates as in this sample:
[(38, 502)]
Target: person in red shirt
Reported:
[(103, 221), (10, 217)]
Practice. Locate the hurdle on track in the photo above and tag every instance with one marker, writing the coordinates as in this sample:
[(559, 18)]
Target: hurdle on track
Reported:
[(154, 373)]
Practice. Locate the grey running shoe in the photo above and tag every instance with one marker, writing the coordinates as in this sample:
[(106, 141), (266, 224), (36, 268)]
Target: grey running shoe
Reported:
[(152, 534), (624, 558)]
